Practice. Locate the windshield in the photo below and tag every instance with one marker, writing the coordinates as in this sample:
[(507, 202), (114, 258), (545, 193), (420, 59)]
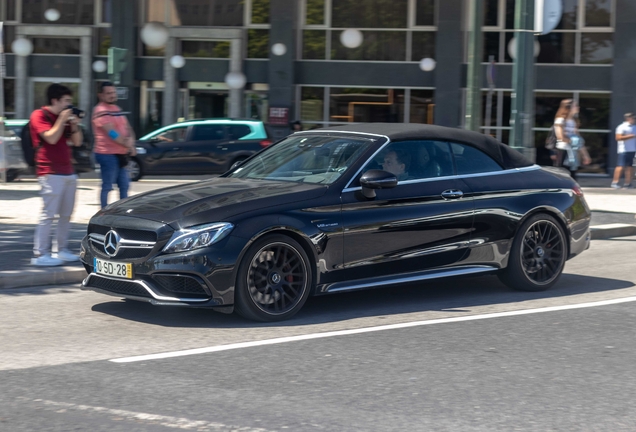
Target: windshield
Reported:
[(307, 159)]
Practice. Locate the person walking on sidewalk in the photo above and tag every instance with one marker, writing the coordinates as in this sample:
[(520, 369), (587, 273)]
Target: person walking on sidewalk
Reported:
[(626, 138), (571, 151), (53, 128), (114, 142)]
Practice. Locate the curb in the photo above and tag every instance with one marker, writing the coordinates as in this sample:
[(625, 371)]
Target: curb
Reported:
[(75, 275), (601, 232), (41, 277)]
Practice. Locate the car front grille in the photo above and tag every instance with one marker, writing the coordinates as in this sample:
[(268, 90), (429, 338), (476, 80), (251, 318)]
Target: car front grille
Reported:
[(133, 244), (129, 234), (117, 286), (181, 285)]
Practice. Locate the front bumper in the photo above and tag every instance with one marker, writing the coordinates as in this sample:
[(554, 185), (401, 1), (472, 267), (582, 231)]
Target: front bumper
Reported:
[(203, 278)]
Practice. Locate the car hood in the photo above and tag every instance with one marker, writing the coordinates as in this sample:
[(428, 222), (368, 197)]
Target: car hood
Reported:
[(211, 200)]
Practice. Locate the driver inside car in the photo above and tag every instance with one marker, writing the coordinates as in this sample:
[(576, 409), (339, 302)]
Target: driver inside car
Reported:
[(397, 162)]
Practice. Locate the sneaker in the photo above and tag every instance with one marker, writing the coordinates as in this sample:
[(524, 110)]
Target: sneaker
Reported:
[(615, 186), (628, 186), (46, 261), (66, 256)]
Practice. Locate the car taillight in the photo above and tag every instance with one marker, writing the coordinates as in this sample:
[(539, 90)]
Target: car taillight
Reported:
[(577, 190), (265, 143)]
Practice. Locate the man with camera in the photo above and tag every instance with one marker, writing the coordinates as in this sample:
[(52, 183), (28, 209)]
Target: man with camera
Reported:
[(54, 128), (114, 142)]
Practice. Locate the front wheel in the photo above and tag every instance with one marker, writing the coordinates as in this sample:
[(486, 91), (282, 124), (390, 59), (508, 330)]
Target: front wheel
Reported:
[(134, 169), (538, 255), (274, 279)]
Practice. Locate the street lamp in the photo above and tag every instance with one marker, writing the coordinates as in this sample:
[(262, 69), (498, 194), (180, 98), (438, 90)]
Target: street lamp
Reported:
[(154, 34), (427, 64), (22, 47), (235, 80), (351, 38), (279, 49), (177, 61)]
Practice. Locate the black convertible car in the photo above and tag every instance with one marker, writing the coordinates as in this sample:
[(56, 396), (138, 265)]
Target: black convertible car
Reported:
[(340, 209)]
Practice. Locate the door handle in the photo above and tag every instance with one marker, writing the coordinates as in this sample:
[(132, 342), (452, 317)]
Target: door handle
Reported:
[(176, 148), (452, 194)]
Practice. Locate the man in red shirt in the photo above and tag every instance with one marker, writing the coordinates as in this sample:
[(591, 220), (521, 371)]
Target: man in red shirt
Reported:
[(53, 129), (114, 140)]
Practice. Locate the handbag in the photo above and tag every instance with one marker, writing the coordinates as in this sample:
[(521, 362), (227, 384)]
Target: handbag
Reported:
[(123, 160)]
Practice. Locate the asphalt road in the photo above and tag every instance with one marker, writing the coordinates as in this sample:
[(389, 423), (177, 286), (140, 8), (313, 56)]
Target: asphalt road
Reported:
[(459, 355)]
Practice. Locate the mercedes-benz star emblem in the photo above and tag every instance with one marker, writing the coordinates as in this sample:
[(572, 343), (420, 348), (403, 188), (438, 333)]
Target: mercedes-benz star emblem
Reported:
[(111, 243)]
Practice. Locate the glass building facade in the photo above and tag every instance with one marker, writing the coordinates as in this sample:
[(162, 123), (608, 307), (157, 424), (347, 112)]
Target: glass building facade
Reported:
[(318, 79)]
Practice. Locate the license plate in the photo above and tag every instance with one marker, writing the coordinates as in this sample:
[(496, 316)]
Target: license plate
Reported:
[(116, 269)]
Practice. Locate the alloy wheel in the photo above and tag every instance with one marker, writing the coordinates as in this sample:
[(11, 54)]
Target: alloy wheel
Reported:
[(277, 278), (134, 170), (542, 252)]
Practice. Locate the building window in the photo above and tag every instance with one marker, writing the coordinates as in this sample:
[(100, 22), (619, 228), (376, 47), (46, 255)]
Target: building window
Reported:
[(583, 36), (393, 30), (594, 117), (56, 46), (104, 39), (204, 13), (315, 12), (374, 14), (258, 43), (207, 49), (366, 105), (71, 12), (9, 98), (260, 12), (7, 10)]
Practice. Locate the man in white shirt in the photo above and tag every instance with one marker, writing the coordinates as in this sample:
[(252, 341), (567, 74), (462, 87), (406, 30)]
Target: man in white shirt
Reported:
[(626, 137)]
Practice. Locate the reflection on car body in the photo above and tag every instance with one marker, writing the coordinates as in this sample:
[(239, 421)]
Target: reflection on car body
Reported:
[(314, 214)]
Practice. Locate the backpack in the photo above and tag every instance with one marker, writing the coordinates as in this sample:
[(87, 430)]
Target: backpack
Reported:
[(28, 151), (551, 140)]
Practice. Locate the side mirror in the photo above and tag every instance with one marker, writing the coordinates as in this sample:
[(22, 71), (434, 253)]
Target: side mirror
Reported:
[(377, 179)]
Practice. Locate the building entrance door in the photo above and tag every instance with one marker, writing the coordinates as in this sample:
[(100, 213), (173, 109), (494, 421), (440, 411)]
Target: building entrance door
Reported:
[(208, 103)]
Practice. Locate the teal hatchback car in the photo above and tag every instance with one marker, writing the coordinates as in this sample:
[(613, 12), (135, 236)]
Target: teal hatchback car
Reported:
[(207, 146)]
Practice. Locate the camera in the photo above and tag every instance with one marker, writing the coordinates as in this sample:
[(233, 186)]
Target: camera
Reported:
[(76, 111)]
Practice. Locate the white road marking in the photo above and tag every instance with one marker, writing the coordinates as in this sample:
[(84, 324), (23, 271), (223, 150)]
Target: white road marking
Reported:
[(310, 336), (166, 421)]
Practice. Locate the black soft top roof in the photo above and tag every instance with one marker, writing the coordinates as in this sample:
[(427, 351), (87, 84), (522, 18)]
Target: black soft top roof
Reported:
[(503, 154)]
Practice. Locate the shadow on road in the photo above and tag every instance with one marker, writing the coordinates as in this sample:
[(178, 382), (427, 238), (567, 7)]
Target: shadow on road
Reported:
[(459, 295)]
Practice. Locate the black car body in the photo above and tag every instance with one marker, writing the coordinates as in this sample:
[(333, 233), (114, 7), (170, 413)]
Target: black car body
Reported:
[(313, 215), (198, 147)]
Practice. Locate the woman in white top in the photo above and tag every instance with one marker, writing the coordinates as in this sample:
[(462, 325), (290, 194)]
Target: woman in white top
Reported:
[(571, 151)]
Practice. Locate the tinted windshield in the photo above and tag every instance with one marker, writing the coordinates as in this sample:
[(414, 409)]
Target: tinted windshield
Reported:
[(308, 159)]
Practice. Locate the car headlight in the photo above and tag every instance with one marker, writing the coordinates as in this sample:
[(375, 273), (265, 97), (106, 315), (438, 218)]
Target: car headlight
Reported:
[(141, 150), (198, 237)]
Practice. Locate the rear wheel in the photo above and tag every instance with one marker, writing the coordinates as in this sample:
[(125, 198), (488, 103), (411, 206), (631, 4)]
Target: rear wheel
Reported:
[(134, 169), (274, 280), (538, 255)]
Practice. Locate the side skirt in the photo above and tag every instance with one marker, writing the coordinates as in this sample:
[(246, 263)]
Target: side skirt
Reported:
[(403, 278)]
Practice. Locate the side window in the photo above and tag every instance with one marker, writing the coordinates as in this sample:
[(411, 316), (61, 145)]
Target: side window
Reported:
[(414, 160), (173, 135), (469, 160), (211, 132), (238, 131)]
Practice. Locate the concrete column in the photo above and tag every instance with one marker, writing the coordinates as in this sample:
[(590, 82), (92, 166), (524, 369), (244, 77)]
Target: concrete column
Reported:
[(21, 86), (86, 75), (448, 71), (284, 27), (236, 65), (170, 89), (623, 72), (124, 35)]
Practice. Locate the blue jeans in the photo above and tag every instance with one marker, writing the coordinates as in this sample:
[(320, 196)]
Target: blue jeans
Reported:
[(112, 173)]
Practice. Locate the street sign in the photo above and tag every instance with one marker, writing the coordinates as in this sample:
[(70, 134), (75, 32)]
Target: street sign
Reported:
[(279, 116), (547, 15), (122, 93)]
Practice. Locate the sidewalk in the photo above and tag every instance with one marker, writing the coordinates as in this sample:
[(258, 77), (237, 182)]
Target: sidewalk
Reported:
[(613, 215)]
